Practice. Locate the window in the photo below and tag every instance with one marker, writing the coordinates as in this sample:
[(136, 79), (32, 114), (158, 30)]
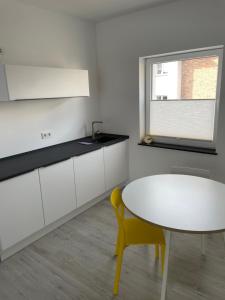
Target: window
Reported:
[(161, 69), (181, 96)]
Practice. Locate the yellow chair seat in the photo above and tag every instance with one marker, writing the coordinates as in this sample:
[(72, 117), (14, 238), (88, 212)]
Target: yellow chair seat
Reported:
[(140, 232)]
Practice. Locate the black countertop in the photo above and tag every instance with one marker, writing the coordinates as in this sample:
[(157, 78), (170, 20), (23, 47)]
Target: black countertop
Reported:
[(22, 163)]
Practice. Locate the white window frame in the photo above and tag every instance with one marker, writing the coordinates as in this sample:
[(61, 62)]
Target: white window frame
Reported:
[(145, 93)]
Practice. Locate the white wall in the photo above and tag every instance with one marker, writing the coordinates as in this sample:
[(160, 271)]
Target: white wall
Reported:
[(33, 36), (120, 41)]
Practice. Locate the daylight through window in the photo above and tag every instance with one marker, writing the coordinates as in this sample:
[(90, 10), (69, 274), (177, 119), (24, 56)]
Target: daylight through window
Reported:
[(182, 97)]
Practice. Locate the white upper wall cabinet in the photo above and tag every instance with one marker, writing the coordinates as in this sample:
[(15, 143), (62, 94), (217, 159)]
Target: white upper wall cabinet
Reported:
[(28, 82)]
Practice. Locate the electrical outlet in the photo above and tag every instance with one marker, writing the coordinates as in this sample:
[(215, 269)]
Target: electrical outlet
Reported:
[(46, 135)]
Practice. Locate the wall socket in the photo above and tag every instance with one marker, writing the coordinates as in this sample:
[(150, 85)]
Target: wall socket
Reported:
[(46, 135)]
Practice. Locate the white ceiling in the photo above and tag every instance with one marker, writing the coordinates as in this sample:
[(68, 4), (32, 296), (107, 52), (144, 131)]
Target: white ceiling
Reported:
[(95, 10)]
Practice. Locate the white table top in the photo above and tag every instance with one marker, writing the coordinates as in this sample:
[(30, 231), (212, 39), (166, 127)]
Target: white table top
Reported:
[(178, 202)]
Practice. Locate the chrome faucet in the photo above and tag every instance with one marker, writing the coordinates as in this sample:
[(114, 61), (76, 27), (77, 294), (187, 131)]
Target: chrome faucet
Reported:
[(93, 128)]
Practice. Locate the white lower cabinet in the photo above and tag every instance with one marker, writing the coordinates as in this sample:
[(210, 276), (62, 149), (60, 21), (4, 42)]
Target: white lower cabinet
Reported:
[(89, 176), (116, 158), (58, 190), (31, 201), (21, 212)]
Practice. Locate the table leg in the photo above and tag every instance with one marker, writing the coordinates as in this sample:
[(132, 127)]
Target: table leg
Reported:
[(165, 272), (203, 243)]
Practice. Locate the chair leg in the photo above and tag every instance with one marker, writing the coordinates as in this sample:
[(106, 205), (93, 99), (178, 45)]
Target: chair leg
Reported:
[(156, 251), (117, 244), (118, 269), (163, 252)]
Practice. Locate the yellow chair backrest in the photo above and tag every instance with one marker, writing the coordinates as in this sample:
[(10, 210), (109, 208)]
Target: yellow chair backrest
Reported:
[(117, 204)]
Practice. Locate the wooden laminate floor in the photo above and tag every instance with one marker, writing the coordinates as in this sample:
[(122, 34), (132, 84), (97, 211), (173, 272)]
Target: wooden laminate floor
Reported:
[(76, 262)]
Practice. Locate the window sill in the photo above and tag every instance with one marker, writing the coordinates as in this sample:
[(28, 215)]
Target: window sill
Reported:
[(181, 148)]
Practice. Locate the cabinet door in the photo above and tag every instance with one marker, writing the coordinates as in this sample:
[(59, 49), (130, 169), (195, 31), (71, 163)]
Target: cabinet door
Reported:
[(29, 82), (21, 212), (58, 190), (89, 176), (116, 164)]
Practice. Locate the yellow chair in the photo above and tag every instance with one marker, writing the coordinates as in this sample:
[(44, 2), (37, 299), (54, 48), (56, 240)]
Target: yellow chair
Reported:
[(133, 231)]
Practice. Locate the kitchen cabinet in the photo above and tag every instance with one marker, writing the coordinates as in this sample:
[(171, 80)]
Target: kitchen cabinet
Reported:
[(58, 190), (30, 202), (21, 212), (116, 164), (29, 82), (89, 176)]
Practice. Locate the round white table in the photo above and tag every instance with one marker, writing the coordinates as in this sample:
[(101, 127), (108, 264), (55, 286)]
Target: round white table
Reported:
[(177, 203)]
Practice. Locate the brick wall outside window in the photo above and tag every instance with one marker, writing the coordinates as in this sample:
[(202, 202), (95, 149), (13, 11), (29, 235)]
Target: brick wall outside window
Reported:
[(199, 78)]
